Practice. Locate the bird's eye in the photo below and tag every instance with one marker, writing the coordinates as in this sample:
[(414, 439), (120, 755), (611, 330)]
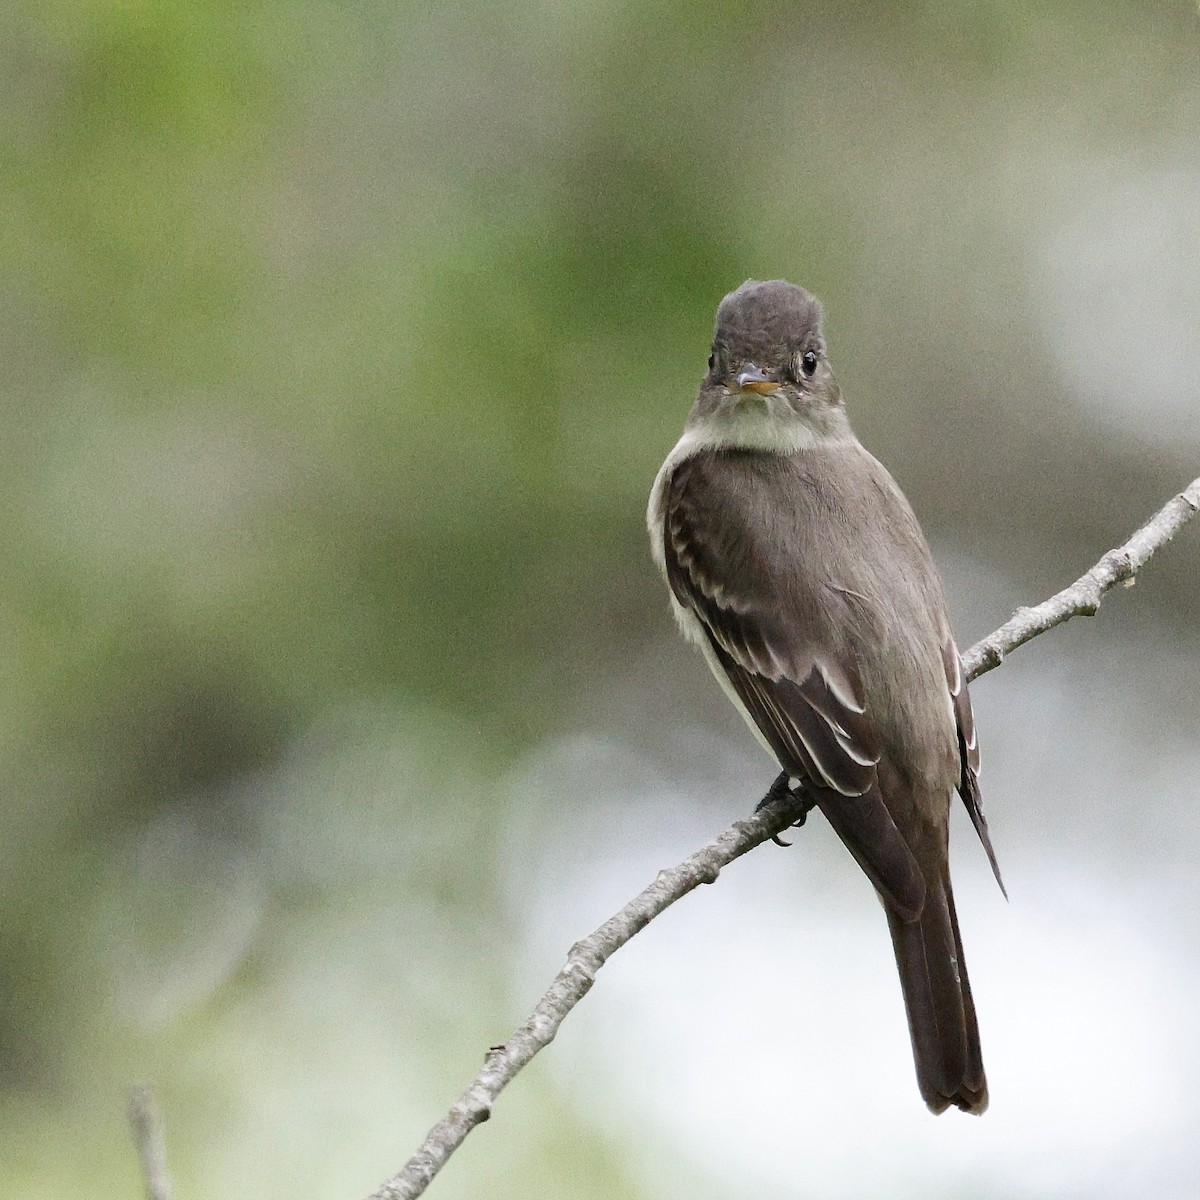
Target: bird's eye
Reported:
[(808, 362)]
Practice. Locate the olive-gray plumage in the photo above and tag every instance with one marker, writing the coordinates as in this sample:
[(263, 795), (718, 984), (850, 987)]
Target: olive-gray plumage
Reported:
[(795, 562)]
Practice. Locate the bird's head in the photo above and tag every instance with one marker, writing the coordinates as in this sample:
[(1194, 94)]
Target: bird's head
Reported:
[(769, 367)]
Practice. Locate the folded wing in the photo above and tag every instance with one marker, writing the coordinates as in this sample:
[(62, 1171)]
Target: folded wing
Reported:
[(968, 748), (803, 691)]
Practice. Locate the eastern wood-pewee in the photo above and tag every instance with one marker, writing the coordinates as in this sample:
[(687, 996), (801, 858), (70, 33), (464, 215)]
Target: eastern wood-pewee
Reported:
[(796, 564)]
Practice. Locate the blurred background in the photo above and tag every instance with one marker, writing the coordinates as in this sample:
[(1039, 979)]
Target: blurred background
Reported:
[(340, 345)]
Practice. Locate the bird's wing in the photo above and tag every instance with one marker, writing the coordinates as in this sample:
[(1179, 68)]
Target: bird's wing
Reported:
[(768, 627), (968, 751)]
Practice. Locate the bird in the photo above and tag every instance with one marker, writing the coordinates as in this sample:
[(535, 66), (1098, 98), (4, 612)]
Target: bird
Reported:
[(795, 563)]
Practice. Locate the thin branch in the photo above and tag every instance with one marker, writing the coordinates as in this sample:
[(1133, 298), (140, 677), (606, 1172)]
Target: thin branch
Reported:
[(146, 1126), (1083, 597), (574, 982), (586, 957)]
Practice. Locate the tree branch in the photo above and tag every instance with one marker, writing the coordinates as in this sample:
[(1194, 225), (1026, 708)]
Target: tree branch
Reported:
[(587, 956), (146, 1127), (1083, 597)]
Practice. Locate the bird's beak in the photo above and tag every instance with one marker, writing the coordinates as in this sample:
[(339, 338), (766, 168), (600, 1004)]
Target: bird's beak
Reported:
[(752, 379)]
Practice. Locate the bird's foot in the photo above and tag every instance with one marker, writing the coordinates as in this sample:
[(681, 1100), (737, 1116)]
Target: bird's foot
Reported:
[(777, 791)]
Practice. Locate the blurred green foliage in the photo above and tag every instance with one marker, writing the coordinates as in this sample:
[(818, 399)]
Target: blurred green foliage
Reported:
[(340, 345)]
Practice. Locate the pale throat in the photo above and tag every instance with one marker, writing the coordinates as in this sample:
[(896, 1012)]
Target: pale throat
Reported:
[(760, 423)]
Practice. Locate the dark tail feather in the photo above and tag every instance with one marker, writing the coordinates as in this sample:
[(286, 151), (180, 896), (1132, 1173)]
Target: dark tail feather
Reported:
[(937, 998)]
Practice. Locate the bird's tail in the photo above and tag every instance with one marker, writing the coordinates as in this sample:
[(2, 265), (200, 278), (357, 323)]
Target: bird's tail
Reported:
[(937, 998)]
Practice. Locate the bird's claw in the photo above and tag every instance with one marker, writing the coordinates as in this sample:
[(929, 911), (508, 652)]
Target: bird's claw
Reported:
[(780, 788)]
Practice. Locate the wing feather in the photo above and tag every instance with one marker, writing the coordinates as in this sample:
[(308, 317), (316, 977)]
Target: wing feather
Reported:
[(808, 704), (968, 746)]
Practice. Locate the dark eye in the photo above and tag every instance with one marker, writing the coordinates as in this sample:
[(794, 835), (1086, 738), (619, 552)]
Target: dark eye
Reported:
[(808, 362), (712, 361)]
